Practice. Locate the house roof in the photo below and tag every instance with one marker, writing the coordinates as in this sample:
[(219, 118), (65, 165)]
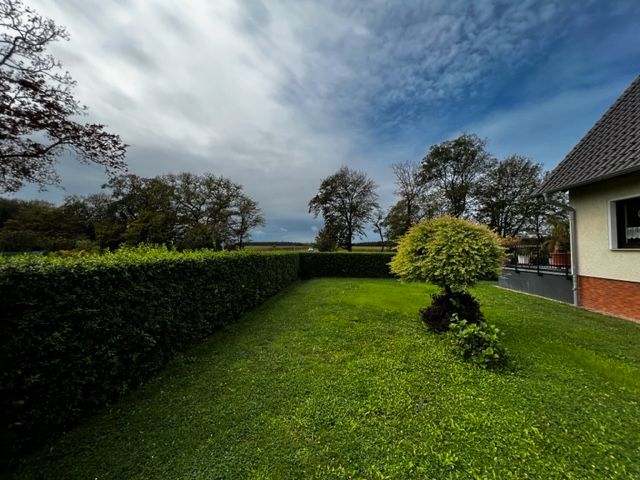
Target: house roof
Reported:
[(611, 148)]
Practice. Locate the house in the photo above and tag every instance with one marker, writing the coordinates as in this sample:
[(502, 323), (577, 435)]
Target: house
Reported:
[(602, 176)]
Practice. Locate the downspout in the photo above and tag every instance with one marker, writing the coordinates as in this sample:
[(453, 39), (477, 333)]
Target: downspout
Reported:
[(574, 243)]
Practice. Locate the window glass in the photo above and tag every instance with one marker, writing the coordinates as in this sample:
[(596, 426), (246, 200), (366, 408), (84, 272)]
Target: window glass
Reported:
[(628, 223)]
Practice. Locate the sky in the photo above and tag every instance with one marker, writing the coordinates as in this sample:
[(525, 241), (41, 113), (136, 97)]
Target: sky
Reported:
[(277, 95)]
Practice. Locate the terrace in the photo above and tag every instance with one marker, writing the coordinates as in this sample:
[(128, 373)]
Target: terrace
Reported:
[(532, 269)]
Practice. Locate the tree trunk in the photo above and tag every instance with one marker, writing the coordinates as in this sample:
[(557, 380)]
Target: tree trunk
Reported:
[(381, 240)]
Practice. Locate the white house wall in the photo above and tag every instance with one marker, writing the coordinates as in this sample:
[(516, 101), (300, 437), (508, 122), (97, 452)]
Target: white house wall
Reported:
[(592, 205)]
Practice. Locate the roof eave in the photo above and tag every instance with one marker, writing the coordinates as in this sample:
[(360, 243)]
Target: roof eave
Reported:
[(564, 188)]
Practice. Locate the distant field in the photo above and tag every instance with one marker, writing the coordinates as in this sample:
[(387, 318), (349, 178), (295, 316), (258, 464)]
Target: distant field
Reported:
[(360, 248), (356, 248), (279, 248)]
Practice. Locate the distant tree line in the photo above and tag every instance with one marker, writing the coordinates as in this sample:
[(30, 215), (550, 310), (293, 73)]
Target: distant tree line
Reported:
[(186, 211), (458, 177)]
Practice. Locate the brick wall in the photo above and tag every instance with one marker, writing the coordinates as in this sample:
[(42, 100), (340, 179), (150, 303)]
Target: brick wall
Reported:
[(615, 297)]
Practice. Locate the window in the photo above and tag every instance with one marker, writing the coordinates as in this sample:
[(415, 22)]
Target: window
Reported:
[(626, 223)]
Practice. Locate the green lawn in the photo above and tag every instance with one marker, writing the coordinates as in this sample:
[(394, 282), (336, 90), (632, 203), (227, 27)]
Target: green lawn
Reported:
[(339, 379)]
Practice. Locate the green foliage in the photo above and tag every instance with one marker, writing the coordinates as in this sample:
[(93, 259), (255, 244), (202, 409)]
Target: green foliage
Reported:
[(80, 331), (558, 239), (453, 169), (398, 219), (506, 196), (334, 264), (437, 316), (346, 200), (38, 225), (449, 252), (186, 210), (326, 239), (478, 342), (335, 379)]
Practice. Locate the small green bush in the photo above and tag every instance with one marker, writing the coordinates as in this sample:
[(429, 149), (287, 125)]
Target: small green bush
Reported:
[(333, 264), (478, 342), (449, 252)]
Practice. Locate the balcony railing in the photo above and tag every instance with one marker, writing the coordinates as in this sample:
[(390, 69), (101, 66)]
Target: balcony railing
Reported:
[(535, 258)]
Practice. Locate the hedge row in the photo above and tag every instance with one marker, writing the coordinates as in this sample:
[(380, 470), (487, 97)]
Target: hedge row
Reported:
[(78, 333), (375, 265)]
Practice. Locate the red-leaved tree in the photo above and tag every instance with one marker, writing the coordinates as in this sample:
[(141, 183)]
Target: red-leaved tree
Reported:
[(38, 113)]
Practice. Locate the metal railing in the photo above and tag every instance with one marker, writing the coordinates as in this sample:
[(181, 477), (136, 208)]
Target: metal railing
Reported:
[(535, 258)]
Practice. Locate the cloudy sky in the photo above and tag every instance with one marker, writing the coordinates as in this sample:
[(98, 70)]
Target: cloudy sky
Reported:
[(277, 95)]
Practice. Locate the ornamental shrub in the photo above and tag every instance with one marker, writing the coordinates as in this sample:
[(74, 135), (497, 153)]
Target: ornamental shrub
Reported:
[(450, 252), (453, 254), (478, 343)]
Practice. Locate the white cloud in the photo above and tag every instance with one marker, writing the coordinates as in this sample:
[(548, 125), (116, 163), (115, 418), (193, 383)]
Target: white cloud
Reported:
[(194, 89), (278, 94)]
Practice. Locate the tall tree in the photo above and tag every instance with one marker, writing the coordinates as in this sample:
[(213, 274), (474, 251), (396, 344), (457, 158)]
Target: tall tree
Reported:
[(396, 221), (346, 200), (108, 232), (430, 205), (326, 239), (506, 200), (380, 226), (205, 206), (38, 113), (185, 210), (144, 209), (410, 189), (453, 168), (9, 207), (247, 216), (212, 211)]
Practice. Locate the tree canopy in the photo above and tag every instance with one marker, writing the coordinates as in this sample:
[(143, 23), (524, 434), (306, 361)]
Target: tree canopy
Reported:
[(38, 113), (452, 169), (186, 210), (506, 197), (346, 200)]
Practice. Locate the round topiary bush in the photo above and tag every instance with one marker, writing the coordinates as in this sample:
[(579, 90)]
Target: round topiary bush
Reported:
[(453, 254)]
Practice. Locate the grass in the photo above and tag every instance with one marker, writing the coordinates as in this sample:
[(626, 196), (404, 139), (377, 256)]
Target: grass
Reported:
[(337, 378)]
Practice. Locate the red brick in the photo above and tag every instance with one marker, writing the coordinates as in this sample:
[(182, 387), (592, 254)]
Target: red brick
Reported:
[(615, 297)]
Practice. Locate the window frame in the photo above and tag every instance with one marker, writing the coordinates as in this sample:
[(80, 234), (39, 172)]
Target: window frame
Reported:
[(613, 222)]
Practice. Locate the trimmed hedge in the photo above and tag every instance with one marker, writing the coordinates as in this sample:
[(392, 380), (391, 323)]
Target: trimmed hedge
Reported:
[(77, 333), (333, 264)]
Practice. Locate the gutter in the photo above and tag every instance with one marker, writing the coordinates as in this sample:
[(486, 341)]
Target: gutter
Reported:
[(573, 240)]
